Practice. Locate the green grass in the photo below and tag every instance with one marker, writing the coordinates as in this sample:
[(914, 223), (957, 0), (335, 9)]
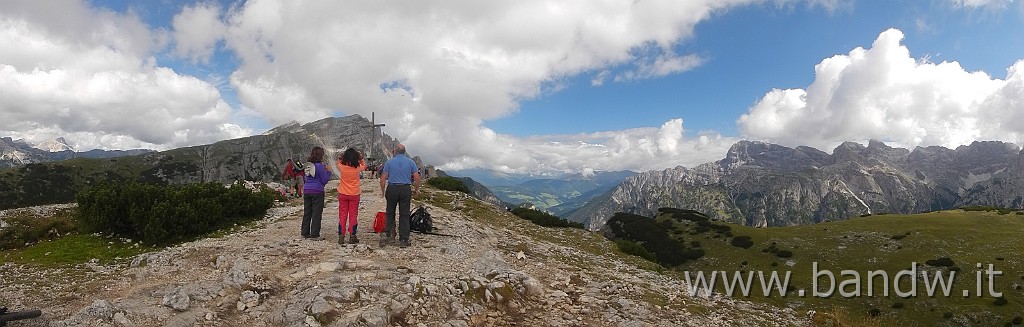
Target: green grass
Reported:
[(881, 242), (73, 249)]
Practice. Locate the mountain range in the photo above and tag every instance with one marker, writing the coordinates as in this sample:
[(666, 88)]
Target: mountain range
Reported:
[(18, 152), (254, 158), (761, 184)]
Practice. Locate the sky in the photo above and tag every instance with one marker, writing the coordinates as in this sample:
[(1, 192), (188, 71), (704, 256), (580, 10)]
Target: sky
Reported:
[(518, 86)]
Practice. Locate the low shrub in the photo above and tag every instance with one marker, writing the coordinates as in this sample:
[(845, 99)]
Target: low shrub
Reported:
[(668, 251), (940, 262), (544, 218), (633, 248), (158, 214), (448, 184), (784, 254), (693, 254), (742, 242)]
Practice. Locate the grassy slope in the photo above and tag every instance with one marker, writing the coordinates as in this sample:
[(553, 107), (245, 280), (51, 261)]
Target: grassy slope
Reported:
[(867, 244)]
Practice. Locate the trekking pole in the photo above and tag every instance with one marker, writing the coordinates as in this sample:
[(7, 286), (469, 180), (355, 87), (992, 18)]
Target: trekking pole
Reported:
[(6, 316)]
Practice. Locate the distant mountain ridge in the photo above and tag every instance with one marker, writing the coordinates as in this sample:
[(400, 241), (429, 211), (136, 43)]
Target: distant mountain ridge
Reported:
[(762, 184), (17, 152)]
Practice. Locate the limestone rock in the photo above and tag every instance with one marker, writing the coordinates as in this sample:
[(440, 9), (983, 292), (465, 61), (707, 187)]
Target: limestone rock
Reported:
[(177, 300)]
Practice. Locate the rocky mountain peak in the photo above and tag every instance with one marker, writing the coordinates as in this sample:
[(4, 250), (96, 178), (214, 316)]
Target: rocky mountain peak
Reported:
[(760, 184), (55, 145), (290, 127), (771, 156)]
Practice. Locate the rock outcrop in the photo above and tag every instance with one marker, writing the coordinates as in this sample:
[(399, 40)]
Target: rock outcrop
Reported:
[(761, 184)]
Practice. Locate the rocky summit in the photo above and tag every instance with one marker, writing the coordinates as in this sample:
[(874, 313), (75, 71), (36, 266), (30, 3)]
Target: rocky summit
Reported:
[(494, 270), (761, 184)]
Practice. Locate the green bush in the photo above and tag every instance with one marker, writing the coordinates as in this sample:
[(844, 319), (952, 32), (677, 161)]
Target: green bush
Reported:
[(940, 262), (999, 301), (632, 248), (448, 184), (784, 254), (668, 251), (158, 214), (742, 241), (544, 219)]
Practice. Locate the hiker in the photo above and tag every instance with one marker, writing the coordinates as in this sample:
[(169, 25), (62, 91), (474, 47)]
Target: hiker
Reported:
[(317, 176), (399, 182), (350, 168), (292, 177)]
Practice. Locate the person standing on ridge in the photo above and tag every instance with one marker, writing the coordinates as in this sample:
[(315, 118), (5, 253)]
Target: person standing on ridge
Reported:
[(292, 177), (317, 176), (350, 167), (399, 182)]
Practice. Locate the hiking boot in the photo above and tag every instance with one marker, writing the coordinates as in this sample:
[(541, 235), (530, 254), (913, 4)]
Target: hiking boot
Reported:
[(383, 240), (353, 239), (341, 239), (403, 243)]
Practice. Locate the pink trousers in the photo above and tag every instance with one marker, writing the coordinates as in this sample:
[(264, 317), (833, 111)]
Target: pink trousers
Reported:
[(348, 210)]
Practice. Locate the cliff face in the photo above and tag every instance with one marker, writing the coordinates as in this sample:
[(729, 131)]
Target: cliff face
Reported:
[(262, 157), (761, 184)]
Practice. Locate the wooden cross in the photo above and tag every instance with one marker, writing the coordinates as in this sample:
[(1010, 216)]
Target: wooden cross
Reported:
[(373, 130)]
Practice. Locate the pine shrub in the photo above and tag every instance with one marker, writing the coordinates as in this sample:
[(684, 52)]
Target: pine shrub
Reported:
[(157, 214), (448, 184), (544, 218), (742, 242), (632, 248)]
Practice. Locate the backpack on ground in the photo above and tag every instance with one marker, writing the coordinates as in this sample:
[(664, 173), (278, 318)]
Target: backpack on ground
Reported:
[(420, 221), (379, 222)]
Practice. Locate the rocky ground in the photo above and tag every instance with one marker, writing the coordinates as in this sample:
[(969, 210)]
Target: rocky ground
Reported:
[(497, 270)]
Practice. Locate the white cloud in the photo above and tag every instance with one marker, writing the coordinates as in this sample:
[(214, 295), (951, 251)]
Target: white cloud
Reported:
[(88, 75), (197, 30), (990, 4), (435, 72), (638, 149), (883, 93), (660, 66)]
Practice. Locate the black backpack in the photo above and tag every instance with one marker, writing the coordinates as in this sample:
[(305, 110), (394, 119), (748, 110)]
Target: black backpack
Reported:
[(420, 221)]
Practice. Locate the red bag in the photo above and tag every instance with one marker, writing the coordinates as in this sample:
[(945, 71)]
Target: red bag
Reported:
[(379, 223)]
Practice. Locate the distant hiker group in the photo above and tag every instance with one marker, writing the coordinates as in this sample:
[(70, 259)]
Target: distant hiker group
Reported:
[(399, 183), (293, 177)]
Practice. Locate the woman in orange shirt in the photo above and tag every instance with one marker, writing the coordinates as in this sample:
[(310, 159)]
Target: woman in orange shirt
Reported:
[(350, 165)]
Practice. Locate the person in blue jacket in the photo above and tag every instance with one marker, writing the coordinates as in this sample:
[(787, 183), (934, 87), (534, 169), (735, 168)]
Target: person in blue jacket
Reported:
[(317, 177)]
